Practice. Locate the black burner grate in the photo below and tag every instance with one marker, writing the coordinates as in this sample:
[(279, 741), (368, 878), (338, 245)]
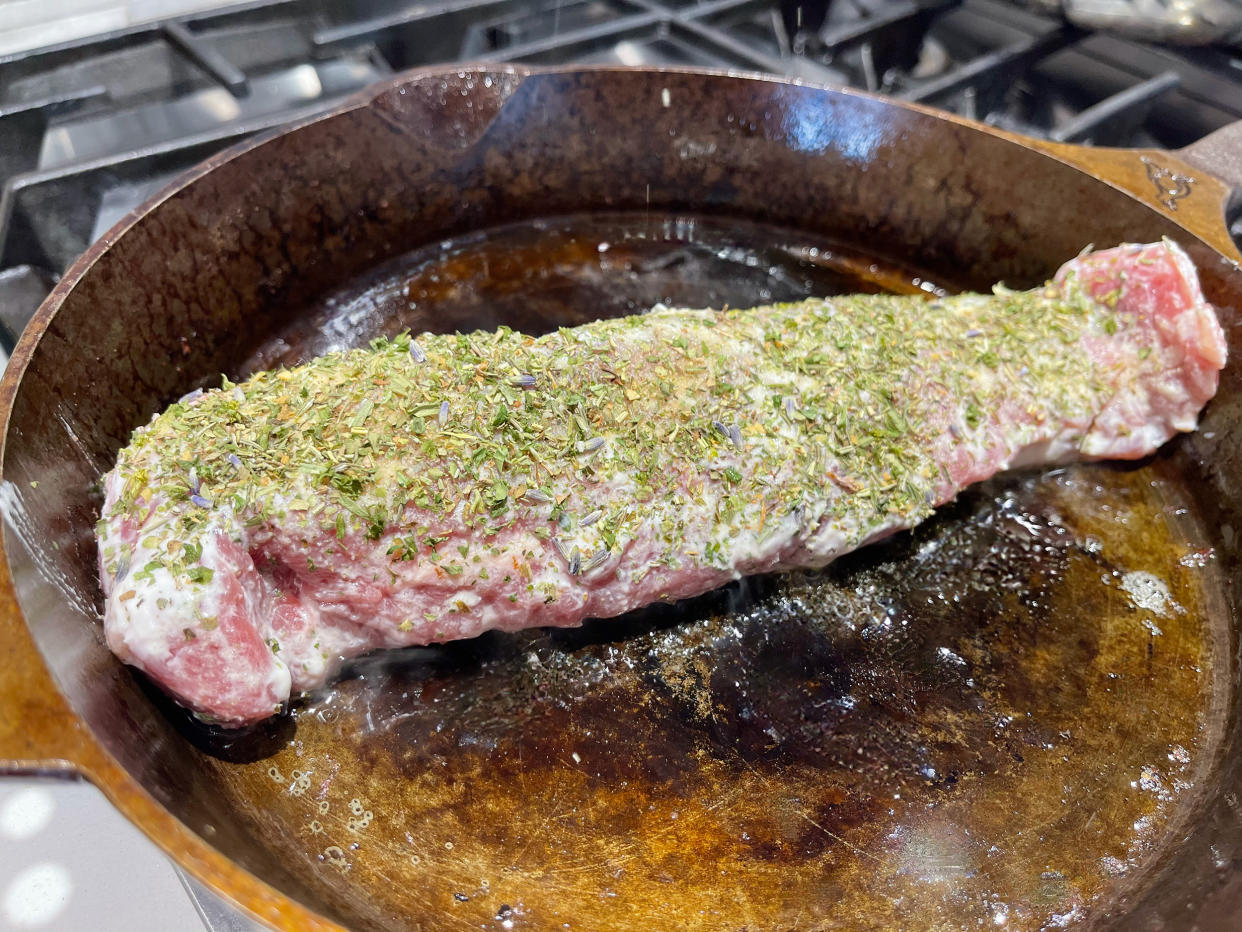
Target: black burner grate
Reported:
[(89, 129)]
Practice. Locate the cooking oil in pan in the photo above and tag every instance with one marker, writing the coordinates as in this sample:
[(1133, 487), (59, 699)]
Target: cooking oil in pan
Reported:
[(558, 273), (998, 720)]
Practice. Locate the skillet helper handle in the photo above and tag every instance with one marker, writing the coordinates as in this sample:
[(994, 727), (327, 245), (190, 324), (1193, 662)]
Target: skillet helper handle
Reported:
[(39, 734), (1195, 186), (1220, 155)]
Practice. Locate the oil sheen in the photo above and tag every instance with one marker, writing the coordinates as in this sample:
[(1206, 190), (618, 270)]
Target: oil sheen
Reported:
[(998, 720)]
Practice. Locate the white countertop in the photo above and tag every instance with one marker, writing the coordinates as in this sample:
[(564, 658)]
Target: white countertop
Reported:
[(69, 862)]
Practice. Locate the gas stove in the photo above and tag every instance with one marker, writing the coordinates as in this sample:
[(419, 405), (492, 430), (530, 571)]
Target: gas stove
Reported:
[(92, 127)]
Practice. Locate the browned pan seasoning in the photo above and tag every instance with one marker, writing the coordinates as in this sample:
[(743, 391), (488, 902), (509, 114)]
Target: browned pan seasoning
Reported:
[(998, 719), (892, 743)]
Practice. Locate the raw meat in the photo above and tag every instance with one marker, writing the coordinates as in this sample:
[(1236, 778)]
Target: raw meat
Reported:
[(424, 490)]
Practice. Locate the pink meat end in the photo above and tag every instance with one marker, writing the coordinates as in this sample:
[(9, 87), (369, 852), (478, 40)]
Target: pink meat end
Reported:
[(1157, 284), (227, 673)]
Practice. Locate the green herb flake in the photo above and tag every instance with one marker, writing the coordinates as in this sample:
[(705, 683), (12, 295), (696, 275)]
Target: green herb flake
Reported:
[(200, 574)]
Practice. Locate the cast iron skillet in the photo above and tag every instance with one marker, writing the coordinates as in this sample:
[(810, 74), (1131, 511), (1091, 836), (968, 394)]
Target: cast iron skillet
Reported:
[(1020, 714)]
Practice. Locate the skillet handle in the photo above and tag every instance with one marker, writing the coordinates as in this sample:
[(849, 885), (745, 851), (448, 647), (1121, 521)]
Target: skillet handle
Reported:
[(39, 734), (1195, 186)]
